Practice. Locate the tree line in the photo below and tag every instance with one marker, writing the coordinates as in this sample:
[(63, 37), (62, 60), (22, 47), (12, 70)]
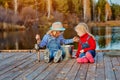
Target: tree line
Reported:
[(29, 12)]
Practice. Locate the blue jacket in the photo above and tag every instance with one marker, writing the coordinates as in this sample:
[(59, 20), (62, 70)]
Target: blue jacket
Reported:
[(60, 40)]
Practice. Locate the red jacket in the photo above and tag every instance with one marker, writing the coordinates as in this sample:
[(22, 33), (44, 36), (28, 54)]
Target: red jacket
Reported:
[(91, 42)]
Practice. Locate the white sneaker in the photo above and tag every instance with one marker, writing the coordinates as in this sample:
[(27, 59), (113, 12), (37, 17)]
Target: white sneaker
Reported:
[(46, 56), (58, 56)]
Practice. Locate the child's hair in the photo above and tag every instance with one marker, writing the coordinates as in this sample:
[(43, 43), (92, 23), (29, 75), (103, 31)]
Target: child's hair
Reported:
[(84, 28)]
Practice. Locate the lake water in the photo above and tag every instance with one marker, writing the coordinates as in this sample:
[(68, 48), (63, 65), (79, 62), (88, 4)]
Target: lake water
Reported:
[(107, 38)]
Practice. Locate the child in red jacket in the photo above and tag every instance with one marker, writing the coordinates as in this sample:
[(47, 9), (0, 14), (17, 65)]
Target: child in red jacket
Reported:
[(87, 44)]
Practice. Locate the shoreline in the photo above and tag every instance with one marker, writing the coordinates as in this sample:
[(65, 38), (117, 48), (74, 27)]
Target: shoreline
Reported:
[(12, 27), (107, 23)]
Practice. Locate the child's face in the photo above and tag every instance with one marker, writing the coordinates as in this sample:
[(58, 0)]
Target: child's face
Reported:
[(80, 33), (56, 33)]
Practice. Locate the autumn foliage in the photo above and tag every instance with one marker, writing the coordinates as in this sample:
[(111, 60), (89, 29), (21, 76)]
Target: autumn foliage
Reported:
[(47, 11)]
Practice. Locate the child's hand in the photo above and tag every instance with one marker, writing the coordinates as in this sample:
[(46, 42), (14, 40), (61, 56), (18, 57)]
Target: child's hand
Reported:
[(74, 57), (37, 37), (81, 51), (76, 39)]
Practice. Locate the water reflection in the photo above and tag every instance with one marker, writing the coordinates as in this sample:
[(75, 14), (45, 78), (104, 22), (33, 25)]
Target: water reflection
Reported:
[(17, 40), (106, 38)]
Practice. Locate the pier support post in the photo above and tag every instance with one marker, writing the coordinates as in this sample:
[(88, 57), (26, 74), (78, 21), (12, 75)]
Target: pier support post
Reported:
[(38, 55), (37, 52)]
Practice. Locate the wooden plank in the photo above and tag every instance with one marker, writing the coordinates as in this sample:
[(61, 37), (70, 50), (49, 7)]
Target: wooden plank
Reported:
[(5, 64), (15, 70), (35, 73), (72, 73), (13, 64), (28, 71), (109, 73), (10, 51), (62, 74), (100, 71), (43, 74), (33, 50), (91, 73), (113, 53), (25, 67), (4, 56), (81, 75), (18, 70), (22, 68), (55, 71), (116, 67), (118, 59), (11, 59)]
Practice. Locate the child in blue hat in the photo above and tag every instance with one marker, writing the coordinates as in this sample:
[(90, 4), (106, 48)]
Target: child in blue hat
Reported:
[(53, 40)]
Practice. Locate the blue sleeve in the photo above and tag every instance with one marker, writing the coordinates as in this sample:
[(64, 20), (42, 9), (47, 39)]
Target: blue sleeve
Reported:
[(65, 41), (44, 41)]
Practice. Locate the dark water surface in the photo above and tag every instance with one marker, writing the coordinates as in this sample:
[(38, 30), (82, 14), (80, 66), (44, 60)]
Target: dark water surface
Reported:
[(106, 38)]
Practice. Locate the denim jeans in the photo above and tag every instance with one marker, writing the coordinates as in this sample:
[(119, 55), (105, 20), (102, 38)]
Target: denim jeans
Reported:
[(93, 53), (53, 46)]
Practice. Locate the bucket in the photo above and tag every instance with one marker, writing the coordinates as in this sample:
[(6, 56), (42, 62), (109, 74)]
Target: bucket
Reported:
[(68, 49)]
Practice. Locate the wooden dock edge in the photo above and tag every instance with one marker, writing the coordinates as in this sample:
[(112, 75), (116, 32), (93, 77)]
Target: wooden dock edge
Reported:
[(42, 50), (106, 52)]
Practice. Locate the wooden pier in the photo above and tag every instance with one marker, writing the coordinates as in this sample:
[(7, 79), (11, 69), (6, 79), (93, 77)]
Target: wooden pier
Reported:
[(25, 66)]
